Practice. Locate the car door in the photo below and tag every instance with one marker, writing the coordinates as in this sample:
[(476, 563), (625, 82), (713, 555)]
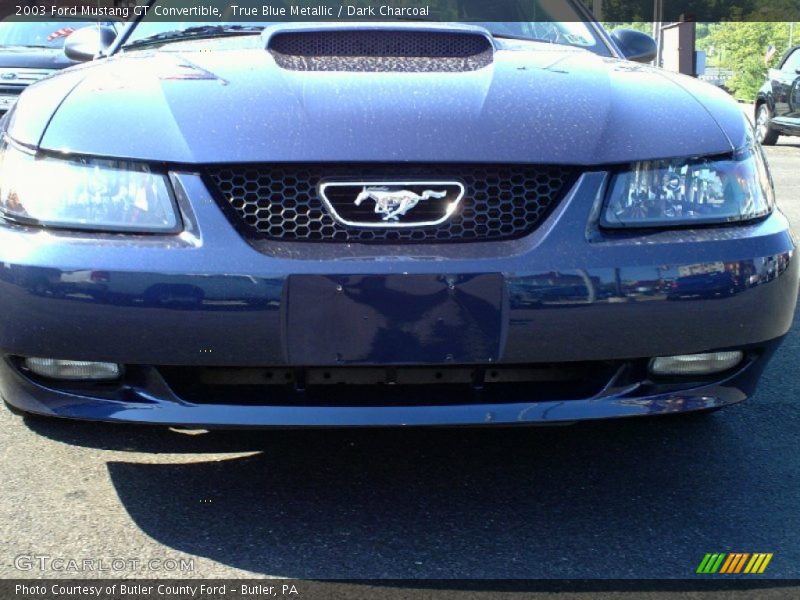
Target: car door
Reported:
[(794, 92), (787, 97)]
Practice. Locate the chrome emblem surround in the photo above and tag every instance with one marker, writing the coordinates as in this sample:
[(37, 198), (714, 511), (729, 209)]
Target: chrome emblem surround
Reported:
[(393, 201)]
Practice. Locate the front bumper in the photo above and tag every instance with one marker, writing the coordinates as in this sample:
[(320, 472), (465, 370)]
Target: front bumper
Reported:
[(150, 400), (568, 293)]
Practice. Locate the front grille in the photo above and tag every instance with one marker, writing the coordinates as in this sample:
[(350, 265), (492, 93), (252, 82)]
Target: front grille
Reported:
[(282, 202), (20, 77), (380, 51)]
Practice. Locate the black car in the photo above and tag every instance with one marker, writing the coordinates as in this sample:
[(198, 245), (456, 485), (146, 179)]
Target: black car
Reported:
[(778, 101), (30, 51), (383, 224)]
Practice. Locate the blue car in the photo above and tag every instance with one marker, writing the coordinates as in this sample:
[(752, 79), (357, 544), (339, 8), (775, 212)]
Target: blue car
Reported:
[(383, 224)]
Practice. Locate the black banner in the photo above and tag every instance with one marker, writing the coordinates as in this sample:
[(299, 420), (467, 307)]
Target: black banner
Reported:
[(733, 588), (224, 11)]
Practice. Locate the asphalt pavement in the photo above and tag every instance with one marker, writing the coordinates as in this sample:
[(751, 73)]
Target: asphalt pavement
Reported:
[(635, 499)]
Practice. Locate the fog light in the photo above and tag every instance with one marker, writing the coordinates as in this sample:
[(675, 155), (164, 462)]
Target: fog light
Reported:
[(696, 364), (53, 368)]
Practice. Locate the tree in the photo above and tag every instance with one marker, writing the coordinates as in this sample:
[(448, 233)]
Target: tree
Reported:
[(742, 48), (701, 10)]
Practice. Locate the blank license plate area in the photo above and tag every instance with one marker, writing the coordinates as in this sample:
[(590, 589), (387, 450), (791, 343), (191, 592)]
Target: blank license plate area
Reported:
[(398, 319)]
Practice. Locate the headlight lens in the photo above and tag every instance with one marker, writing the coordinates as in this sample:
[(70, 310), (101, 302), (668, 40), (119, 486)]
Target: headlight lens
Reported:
[(692, 191), (82, 193)]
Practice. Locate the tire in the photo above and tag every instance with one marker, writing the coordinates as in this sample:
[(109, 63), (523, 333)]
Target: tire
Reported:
[(765, 134)]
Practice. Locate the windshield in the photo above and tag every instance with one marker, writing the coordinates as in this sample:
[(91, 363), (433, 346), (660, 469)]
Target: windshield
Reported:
[(559, 22), (39, 34)]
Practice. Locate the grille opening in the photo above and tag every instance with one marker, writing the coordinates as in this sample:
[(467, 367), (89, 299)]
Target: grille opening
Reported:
[(282, 202), (388, 386), (380, 50)]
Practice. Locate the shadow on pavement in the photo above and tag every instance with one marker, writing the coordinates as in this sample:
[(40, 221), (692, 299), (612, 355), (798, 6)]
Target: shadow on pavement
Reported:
[(640, 498)]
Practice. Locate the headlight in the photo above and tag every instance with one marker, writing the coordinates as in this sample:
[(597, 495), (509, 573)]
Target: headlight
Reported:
[(84, 193), (692, 191)]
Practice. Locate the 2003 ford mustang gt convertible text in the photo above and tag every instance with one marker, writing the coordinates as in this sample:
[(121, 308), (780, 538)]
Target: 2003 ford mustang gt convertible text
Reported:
[(376, 224)]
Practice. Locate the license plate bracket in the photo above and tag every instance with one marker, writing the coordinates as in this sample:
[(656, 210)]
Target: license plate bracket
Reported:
[(394, 319)]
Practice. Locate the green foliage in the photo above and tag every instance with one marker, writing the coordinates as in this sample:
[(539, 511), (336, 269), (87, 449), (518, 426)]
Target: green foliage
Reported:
[(738, 41), (701, 10), (741, 47)]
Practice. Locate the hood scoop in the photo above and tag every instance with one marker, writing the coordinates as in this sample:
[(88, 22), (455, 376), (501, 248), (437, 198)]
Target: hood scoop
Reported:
[(381, 48)]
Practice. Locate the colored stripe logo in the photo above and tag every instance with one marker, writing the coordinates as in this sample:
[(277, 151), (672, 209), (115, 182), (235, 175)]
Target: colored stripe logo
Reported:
[(729, 563)]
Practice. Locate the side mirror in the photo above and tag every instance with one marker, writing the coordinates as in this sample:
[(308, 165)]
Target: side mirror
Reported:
[(635, 45), (88, 42)]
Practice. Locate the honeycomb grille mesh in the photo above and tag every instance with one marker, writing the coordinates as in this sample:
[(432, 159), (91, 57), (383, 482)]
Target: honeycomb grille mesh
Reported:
[(380, 51), (282, 202)]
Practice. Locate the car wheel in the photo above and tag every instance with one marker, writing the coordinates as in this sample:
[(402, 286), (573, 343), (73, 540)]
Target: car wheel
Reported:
[(766, 135)]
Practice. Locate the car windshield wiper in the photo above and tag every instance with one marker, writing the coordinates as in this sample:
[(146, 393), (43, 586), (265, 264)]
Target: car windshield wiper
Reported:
[(524, 38), (200, 31), (497, 34), (507, 36)]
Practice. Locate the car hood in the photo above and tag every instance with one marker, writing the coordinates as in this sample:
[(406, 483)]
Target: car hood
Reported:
[(535, 103)]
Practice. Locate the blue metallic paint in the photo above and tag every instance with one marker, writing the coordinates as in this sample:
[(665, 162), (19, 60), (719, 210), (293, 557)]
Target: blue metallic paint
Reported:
[(568, 292), (211, 290), (155, 403), (548, 104)]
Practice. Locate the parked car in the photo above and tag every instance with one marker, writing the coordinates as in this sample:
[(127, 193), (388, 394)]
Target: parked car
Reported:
[(30, 51), (778, 101), (325, 224)]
